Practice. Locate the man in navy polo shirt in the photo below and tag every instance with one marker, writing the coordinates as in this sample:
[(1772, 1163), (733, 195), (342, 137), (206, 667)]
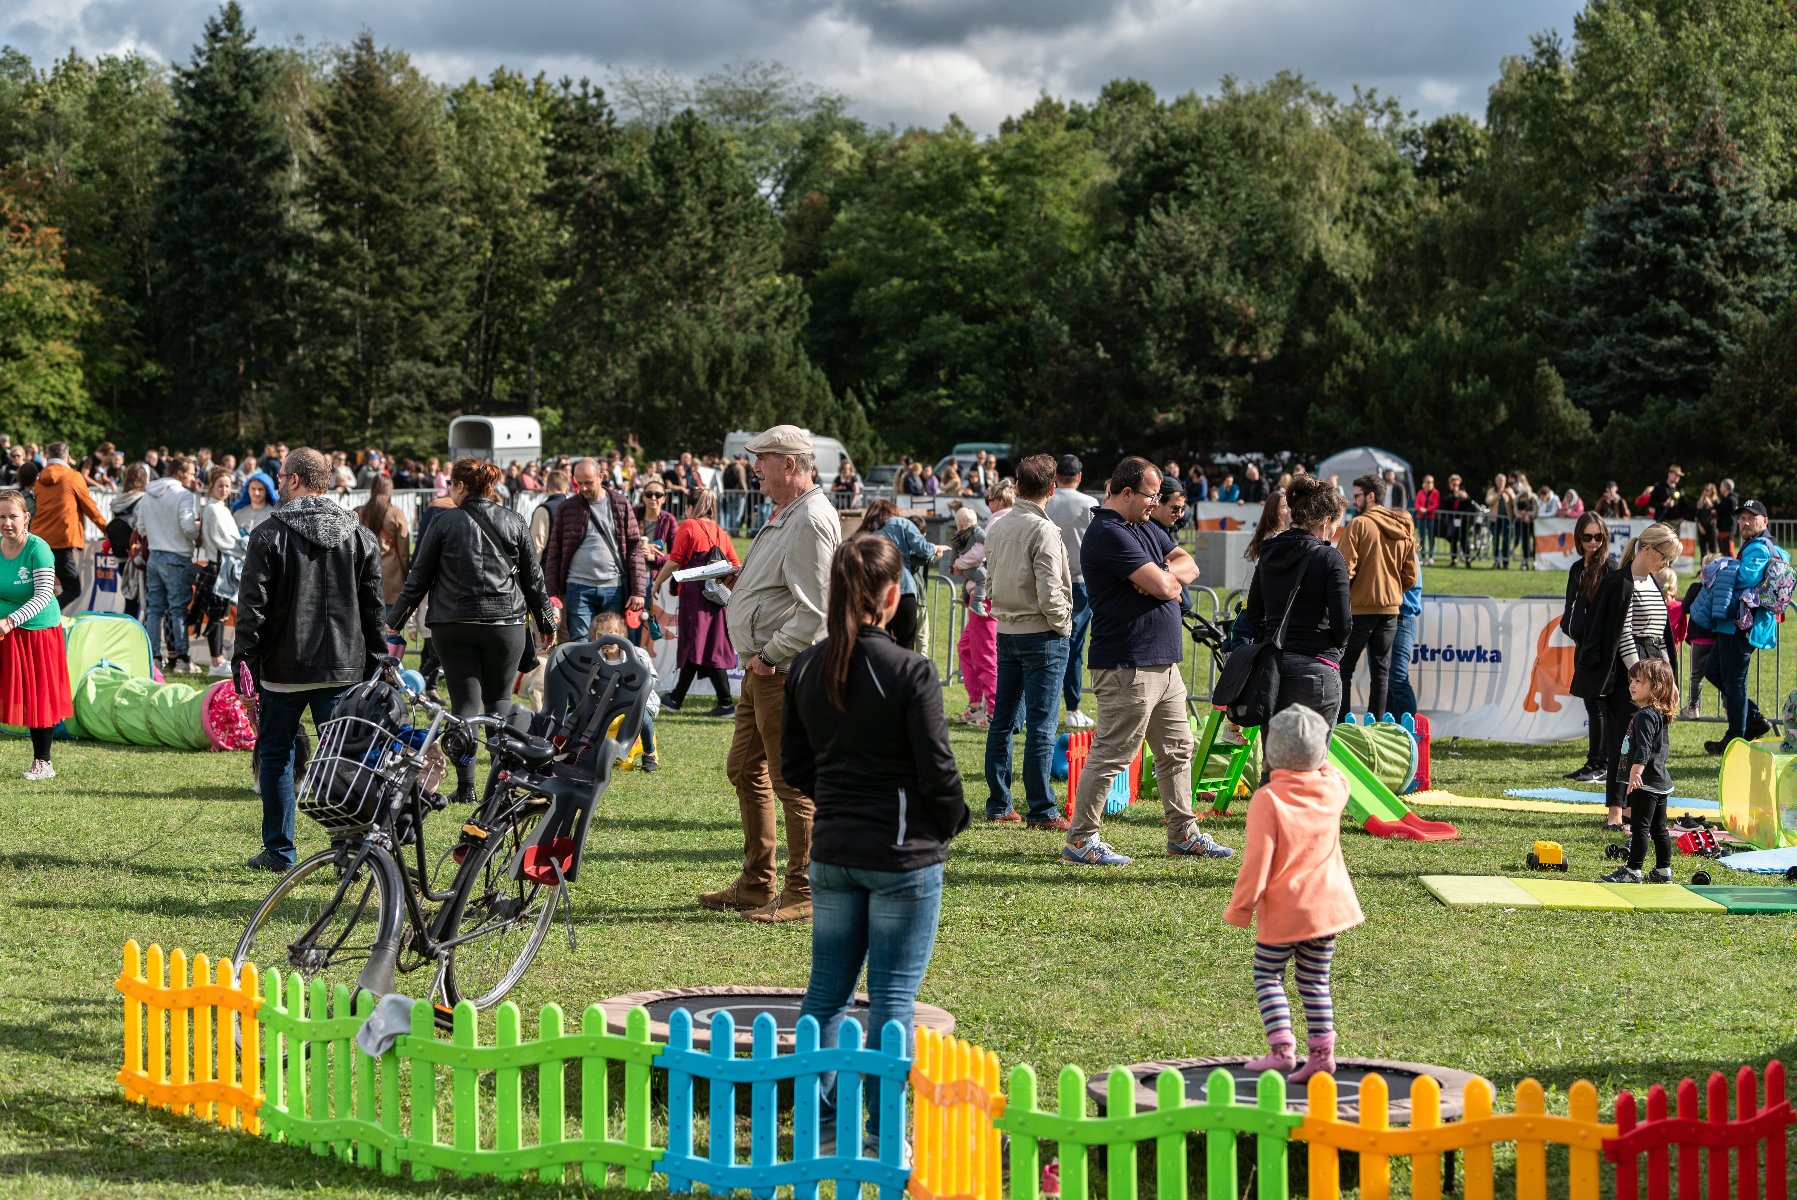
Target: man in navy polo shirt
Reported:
[(1134, 577)]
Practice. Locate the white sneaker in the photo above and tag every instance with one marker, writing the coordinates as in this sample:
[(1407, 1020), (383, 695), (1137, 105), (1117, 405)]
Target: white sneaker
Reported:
[(40, 770), (1079, 720), (1688, 713), (221, 670)]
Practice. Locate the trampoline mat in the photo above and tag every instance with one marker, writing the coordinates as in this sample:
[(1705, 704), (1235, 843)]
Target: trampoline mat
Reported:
[(1349, 1072)]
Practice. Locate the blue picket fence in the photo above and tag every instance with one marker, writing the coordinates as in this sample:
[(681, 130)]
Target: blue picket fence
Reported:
[(855, 1067)]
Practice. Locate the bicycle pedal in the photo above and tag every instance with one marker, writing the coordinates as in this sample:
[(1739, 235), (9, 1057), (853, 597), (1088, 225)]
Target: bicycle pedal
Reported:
[(443, 1017), (474, 831)]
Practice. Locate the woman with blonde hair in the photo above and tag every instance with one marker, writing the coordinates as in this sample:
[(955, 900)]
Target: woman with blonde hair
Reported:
[(1628, 621)]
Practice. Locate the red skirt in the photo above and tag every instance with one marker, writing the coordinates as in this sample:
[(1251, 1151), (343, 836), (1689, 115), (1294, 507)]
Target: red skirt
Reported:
[(34, 678)]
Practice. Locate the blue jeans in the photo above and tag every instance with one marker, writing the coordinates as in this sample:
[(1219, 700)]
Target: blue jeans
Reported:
[(168, 587), (279, 716), (734, 506), (1031, 669), (1400, 697), (1076, 648), (1727, 669), (1425, 534), (586, 601), (883, 919), (1500, 541)]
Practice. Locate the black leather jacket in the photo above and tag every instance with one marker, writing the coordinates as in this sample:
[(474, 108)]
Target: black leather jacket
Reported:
[(469, 579), (309, 608)]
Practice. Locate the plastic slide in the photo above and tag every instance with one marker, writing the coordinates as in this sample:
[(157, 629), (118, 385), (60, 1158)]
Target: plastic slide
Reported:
[(1379, 810)]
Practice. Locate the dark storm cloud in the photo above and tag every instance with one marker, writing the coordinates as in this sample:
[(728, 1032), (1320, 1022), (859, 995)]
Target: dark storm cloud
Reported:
[(905, 61)]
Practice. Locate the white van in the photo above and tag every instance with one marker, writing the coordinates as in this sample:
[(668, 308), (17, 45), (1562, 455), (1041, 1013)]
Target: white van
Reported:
[(500, 440), (828, 451)]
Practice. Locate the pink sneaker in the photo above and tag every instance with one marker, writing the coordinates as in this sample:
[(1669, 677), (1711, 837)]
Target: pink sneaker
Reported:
[(1280, 1056), (1320, 1059)]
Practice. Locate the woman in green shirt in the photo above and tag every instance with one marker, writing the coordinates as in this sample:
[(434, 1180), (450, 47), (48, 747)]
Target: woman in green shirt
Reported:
[(34, 666)]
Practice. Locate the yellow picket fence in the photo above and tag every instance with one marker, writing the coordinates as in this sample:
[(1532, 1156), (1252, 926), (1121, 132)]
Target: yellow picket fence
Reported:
[(1426, 1140), (955, 1150), (193, 1048)]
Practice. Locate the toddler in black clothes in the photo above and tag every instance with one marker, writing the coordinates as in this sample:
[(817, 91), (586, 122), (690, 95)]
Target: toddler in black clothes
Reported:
[(1654, 690)]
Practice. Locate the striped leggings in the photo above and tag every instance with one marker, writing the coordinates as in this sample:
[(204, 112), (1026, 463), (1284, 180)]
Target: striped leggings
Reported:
[(1313, 984)]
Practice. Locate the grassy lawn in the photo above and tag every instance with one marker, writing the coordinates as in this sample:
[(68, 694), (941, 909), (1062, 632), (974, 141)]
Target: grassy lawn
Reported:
[(1041, 962)]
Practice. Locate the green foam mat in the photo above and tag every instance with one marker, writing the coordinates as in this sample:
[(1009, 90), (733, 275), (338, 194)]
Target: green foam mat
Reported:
[(1746, 899), (1568, 893), (1660, 897), (1478, 891)]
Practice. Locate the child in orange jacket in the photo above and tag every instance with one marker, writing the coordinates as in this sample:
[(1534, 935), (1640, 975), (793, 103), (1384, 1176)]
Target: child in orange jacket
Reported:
[(1294, 886)]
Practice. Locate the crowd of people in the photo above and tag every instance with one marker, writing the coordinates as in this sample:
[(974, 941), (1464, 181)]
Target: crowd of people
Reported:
[(839, 731)]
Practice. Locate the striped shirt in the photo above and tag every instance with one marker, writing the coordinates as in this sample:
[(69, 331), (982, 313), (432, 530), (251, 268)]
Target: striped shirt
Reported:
[(1645, 621)]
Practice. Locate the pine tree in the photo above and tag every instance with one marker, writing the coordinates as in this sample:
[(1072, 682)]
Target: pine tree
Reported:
[(1672, 266), (385, 280), (224, 238)]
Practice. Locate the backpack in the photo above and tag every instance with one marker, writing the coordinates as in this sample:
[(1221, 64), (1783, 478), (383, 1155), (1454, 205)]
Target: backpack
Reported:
[(1709, 611), (1771, 594)]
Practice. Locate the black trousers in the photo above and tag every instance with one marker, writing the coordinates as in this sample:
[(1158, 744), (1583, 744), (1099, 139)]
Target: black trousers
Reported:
[(1374, 633), (1597, 719), (480, 663), (1618, 708), (68, 575), (1647, 814), (903, 626), (716, 676)]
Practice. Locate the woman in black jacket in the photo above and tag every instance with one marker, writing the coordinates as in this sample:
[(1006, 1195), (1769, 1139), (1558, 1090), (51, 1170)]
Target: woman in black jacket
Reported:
[(483, 577), (1591, 538), (1627, 621), (864, 736), (1301, 567)]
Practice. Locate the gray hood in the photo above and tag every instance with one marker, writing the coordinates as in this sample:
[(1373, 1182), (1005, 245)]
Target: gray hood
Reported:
[(320, 521)]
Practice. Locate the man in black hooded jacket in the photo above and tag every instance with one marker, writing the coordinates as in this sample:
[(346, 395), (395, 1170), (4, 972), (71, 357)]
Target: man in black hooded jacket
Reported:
[(308, 627)]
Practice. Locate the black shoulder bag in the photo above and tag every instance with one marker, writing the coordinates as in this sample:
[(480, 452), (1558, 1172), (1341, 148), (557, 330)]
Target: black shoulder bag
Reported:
[(1248, 686)]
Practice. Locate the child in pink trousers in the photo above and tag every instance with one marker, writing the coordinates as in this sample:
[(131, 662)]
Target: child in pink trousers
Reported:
[(1294, 888)]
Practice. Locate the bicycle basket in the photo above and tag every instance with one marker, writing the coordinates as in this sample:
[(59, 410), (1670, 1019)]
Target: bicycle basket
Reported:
[(352, 776)]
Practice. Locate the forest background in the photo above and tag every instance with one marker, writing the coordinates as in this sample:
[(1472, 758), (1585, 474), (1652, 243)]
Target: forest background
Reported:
[(1591, 278)]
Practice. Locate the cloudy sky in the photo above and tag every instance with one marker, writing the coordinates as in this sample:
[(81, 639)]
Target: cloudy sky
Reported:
[(903, 61)]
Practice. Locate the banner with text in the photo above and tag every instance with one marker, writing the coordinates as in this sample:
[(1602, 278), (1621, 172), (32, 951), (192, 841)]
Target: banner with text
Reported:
[(1556, 550)]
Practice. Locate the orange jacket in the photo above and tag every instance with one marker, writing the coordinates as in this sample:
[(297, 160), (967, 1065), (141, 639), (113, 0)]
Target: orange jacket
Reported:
[(1294, 882), (62, 500)]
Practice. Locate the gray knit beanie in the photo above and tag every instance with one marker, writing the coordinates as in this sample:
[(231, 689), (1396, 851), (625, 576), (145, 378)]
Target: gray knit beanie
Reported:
[(1297, 739)]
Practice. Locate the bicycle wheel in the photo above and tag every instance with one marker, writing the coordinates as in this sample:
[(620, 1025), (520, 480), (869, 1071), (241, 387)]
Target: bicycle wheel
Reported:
[(496, 922), (330, 917)]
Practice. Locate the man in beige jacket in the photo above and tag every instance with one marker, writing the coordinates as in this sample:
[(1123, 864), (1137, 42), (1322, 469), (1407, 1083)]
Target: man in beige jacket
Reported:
[(1379, 547), (776, 609), (1032, 600)]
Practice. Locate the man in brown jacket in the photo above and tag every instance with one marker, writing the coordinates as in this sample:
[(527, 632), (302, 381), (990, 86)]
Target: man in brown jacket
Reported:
[(62, 502), (1379, 547), (594, 560)]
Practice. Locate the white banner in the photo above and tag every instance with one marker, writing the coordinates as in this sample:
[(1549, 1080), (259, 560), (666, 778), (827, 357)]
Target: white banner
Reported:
[(1213, 515), (1499, 670), (1556, 550)]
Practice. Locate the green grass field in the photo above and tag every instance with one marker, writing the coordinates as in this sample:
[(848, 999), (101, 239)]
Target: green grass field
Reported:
[(1042, 962)]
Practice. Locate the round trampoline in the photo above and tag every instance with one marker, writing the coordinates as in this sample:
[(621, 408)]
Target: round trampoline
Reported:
[(1398, 1076), (743, 1004)]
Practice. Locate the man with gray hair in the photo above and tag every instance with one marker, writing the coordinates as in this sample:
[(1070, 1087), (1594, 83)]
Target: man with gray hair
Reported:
[(309, 625), (776, 609), (594, 560)]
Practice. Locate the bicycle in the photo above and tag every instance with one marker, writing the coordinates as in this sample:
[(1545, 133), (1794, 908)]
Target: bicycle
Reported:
[(360, 906)]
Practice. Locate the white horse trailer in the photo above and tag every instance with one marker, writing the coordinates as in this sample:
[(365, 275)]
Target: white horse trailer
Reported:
[(501, 440)]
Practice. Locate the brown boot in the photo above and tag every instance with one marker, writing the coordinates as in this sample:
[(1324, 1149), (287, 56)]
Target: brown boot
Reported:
[(781, 911), (736, 896)]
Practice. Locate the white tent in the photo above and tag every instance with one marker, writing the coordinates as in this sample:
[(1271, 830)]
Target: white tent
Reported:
[(1352, 463)]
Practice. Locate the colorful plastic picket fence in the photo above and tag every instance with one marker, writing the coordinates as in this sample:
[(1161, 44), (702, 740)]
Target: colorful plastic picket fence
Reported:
[(259, 1052), (181, 1046), (763, 1071), (1174, 1119)]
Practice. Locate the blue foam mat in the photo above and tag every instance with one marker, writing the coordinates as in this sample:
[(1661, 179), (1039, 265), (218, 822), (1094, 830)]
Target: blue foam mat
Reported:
[(1575, 796), (1763, 862)]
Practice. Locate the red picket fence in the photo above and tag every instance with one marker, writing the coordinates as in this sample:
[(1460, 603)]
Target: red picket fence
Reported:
[(1713, 1136)]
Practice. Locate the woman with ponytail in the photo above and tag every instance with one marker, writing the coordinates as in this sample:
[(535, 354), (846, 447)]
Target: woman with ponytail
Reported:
[(865, 736)]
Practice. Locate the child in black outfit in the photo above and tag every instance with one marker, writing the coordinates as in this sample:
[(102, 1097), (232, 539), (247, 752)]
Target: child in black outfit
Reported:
[(1654, 690)]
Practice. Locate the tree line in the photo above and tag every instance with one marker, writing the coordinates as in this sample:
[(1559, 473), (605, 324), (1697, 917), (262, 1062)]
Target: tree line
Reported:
[(1590, 279)]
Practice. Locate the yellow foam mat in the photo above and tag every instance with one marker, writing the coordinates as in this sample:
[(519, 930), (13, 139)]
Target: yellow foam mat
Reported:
[(1436, 799), (1661, 897), (1568, 893), (1478, 891)]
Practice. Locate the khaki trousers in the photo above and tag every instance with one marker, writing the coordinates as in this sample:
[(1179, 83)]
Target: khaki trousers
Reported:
[(754, 769), (1137, 704)]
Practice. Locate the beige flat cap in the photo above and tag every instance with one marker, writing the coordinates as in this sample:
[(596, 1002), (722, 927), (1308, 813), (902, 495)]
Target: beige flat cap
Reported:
[(781, 439)]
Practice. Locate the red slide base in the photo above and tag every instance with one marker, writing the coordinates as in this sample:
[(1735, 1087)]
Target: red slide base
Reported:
[(1412, 829)]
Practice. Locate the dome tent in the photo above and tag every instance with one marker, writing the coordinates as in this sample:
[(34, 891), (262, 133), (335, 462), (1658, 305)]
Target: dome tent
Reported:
[(1352, 463)]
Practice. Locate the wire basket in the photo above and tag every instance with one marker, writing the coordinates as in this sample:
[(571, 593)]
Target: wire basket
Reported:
[(354, 773)]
